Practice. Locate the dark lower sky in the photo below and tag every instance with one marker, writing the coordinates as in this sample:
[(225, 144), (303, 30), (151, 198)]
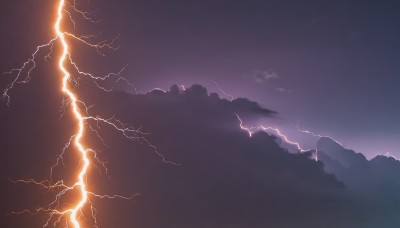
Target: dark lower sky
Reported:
[(329, 65)]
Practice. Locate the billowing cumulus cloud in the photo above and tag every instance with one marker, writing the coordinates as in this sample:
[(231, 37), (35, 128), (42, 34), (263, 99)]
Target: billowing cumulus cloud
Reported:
[(224, 177)]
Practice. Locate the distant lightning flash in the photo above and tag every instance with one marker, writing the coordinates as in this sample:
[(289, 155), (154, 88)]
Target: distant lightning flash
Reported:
[(230, 97), (319, 136), (80, 111), (276, 131)]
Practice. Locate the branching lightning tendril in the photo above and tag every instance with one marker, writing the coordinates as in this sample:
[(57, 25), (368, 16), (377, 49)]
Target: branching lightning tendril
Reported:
[(275, 131), (84, 121), (285, 138), (318, 136)]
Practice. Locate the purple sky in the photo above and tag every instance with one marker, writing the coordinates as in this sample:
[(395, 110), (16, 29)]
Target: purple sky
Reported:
[(326, 66), (331, 66)]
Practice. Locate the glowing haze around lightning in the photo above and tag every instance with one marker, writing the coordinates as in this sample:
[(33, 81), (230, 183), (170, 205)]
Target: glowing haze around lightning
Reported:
[(80, 111)]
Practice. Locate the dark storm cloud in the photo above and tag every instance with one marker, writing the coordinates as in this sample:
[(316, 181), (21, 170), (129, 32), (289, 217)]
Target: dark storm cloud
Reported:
[(375, 178), (240, 105), (225, 179), (374, 182), (326, 52)]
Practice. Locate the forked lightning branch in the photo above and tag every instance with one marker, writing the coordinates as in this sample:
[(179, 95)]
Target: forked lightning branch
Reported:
[(56, 213)]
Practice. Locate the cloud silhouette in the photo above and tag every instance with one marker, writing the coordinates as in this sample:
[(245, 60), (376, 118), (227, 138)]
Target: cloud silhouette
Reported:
[(373, 182), (225, 178)]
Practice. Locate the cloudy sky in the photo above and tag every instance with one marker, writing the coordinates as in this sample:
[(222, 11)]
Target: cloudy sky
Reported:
[(330, 66), (326, 66)]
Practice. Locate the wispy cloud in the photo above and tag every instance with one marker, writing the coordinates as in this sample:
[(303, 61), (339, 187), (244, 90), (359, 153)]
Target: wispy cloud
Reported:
[(264, 76)]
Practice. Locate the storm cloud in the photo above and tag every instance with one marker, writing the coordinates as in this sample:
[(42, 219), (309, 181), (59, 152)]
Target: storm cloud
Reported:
[(224, 178)]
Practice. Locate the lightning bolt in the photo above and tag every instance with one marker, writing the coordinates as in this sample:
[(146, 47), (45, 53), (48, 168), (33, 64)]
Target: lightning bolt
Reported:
[(275, 131), (73, 99), (83, 118), (318, 136), (230, 97)]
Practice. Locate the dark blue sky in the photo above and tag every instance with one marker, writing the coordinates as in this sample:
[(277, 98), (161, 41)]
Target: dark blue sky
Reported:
[(330, 65)]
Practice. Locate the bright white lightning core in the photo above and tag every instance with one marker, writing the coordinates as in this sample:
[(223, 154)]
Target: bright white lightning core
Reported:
[(74, 101), (72, 216)]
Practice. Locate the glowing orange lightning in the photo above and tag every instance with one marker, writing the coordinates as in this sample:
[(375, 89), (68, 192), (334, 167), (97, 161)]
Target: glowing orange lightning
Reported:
[(83, 118), (86, 162)]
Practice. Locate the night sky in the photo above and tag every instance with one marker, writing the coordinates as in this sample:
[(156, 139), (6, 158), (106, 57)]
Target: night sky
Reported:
[(331, 66), (327, 66)]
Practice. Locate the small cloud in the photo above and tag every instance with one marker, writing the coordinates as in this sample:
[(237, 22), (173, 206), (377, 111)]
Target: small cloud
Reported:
[(264, 76), (283, 90)]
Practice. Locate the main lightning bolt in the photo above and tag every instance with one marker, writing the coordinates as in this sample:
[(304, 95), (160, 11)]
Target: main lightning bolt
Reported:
[(82, 117), (86, 162)]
